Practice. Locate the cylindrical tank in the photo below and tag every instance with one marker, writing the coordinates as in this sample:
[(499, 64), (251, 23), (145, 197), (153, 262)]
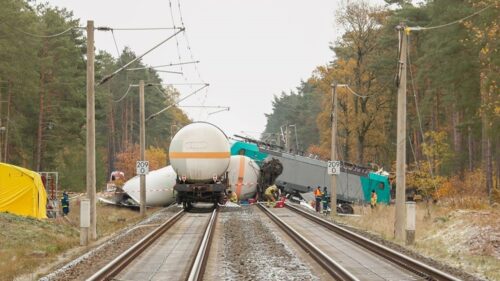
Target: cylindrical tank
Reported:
[(243, 175), (159, 187), (199, 151)]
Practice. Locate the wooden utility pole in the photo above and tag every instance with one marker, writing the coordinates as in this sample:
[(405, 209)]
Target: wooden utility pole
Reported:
[(7, 124), (1, 128), (333, 195), (142, 142), (91, 175), (399, 224)]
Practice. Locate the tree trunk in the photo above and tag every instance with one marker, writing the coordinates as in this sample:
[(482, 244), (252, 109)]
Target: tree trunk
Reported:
[(457, 135), (41, 116), (497, 160), (111, 136), (485, 138), (131, 110), (361, 149), (416, 147), (125, 126), (457, 138), (470, 148)]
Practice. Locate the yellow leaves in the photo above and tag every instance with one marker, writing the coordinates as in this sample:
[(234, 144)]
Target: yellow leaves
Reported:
[(125, 160), (423, 180), (320, 151), (436, 146)]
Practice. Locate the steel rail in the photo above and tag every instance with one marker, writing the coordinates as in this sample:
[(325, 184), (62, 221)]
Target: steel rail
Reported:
[(119, 263), (393, 256), (200, 262), (334, 268)]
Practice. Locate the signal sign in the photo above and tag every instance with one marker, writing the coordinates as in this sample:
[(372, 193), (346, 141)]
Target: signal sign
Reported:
[(142, 167), (333, 167)]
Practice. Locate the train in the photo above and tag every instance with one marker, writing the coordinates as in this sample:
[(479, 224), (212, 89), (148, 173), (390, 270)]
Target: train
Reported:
[(205, 163), (301, 174), (200, 155)]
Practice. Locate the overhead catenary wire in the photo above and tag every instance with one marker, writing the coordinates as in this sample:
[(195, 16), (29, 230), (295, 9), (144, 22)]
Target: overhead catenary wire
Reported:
[(175, 103), (106, 78), (116, 45), (169, 71), (124, 95), (164, 65), (106, 28), (161, 91), (190, 50), (217, 111), (204, 106)]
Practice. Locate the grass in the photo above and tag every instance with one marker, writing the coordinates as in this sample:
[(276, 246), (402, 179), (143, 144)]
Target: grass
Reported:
[(467, 238), (26, 244)]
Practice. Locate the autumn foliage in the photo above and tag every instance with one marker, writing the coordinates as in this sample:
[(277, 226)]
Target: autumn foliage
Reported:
[(125, 161), (453, 112)]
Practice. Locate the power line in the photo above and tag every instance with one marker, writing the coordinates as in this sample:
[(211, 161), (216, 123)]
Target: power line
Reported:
[(106, 28), (175, 103), (352, 91), (176, 40), (418, 115), (204, 106), (160, 90), (217, 111), (39, 35), (126, 93), (106, 78), (418, 28), (164, 65), (189, 49), (169, 71), (116, 46)]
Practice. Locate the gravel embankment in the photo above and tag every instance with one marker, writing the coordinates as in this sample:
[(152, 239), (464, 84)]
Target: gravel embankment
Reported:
[(252, 251), (431, 262), (89, 263)]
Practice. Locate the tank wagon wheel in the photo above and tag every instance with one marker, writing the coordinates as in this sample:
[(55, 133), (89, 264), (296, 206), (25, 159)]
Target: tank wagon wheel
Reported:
[(339, 210)]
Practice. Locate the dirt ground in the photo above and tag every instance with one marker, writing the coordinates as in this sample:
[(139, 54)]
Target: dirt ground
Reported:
[(252, 251)]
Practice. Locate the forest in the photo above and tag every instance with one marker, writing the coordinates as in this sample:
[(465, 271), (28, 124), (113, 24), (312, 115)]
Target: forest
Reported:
[(453, 104), (43, 99)]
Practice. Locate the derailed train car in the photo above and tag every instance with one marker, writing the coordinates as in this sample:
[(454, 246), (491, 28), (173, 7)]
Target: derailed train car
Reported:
[(243, 176), (302, 174)]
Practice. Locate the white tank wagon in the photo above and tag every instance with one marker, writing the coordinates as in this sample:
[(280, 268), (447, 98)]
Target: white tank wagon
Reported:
[(200, 155), (159, 187), (243, 174)]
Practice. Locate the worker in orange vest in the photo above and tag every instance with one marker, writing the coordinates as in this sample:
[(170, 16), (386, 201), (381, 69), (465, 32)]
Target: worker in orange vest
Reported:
[(318, 195)]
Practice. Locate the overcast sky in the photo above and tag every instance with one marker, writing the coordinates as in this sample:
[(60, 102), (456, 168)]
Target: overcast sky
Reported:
[(248, 50)]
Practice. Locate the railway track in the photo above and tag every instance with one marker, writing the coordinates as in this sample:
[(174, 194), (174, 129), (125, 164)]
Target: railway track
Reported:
[(169, 252), (347, 255)]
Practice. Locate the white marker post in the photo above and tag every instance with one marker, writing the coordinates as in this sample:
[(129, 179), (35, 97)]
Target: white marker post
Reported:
[(142, 169), (84, 221), (333, 167), (410, 222)]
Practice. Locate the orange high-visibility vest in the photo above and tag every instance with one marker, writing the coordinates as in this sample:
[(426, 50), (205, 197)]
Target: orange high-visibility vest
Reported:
[(317, 193)]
